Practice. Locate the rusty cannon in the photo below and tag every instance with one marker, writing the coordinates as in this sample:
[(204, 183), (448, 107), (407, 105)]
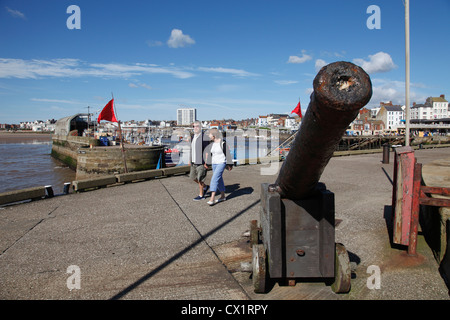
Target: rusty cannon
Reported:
[(295, 238)]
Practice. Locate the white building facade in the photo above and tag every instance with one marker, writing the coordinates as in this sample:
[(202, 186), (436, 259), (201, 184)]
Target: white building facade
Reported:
[(186, 116), (392, 116), (433, 108), (262, 121)]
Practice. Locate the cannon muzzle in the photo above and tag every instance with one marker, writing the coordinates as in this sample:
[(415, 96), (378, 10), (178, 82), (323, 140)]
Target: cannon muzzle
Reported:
[(340, 90)]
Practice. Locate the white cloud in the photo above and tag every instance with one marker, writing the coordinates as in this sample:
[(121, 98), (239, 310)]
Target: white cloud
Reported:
[(333, 54), (379, 62), (125, 70), (152, 43), (25, 69), (15, 13), (234, 72), (296, 59), (285, 82), (319, 64), (178, 39), (143, 85), (54, 101), (385, 90), (34, 69)]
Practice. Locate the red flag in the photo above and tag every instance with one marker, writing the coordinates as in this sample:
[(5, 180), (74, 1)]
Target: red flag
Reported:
[(298, 110), (108, 113)]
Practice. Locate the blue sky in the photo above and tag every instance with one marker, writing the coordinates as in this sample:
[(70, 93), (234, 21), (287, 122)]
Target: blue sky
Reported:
[(229, 59)]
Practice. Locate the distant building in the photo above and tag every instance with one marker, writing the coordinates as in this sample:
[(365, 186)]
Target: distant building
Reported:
[(276, 120), (374, 112), (439, 106), (262, 121), (364, 124), (291, 123), (421, 111), (433, 108), (186, 116), (75, 124), (391, 115)]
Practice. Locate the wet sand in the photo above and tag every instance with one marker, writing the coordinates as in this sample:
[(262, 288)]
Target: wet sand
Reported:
[(15, 137)]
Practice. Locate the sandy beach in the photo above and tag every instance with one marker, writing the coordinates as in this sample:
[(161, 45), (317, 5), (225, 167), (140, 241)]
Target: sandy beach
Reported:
[(22, 136)]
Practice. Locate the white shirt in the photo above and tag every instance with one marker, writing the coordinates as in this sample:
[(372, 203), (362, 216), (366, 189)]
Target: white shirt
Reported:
[(193, 153), (217, 153)]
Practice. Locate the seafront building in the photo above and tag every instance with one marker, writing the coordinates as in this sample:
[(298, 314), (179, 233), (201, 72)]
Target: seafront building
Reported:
[(432, 116), (186, 116), (433, 108)]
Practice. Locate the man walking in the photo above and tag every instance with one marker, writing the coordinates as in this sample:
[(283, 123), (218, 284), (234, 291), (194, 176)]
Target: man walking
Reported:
[(196, 162)]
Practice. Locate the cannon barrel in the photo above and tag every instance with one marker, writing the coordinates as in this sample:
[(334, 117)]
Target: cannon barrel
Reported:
[(340, 90)]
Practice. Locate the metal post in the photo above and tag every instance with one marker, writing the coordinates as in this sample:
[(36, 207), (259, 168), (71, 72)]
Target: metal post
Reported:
[(386, 148)]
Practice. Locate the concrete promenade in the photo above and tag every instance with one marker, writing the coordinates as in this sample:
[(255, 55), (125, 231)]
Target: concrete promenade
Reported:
[(150, 240)]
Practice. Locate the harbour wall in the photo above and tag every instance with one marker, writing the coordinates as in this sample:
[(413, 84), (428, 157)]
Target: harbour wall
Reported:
[(65, 148), (110, 160), (89, 159)]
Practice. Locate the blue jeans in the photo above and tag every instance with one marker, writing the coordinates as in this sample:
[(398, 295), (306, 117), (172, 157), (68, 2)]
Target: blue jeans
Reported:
[(217, 183)]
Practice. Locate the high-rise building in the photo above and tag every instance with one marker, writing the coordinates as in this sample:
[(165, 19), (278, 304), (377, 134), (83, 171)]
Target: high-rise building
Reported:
[(186, 116)]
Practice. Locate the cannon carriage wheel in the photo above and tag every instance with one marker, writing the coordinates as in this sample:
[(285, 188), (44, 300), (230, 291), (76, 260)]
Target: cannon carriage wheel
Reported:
[(259, 265), (342, 270)]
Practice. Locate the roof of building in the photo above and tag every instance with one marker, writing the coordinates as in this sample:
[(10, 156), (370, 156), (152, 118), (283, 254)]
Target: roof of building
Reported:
[(62, 126), (393, 108), (438, 99), (420, 105)]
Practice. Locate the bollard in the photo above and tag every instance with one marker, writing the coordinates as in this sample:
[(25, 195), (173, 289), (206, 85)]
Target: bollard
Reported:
[(66, 187), (49, 190), (386, 148)]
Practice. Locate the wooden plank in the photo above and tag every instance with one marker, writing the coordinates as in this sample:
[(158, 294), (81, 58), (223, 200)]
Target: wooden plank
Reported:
[(397, 205), (272, 225), (404, 194), (415, 209), (436, 190), (436, 202)]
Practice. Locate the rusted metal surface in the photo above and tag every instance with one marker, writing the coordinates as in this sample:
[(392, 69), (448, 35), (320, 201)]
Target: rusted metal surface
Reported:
[(340, 90), (415, 209), (403, 194), (407, 197), (437, 202)]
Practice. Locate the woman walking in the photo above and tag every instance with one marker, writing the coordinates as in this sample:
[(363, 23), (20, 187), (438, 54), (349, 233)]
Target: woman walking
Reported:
[(220, 158)]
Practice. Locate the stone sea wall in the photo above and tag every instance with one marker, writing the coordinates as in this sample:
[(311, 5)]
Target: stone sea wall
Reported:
[(110, 160), (84, 155)]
